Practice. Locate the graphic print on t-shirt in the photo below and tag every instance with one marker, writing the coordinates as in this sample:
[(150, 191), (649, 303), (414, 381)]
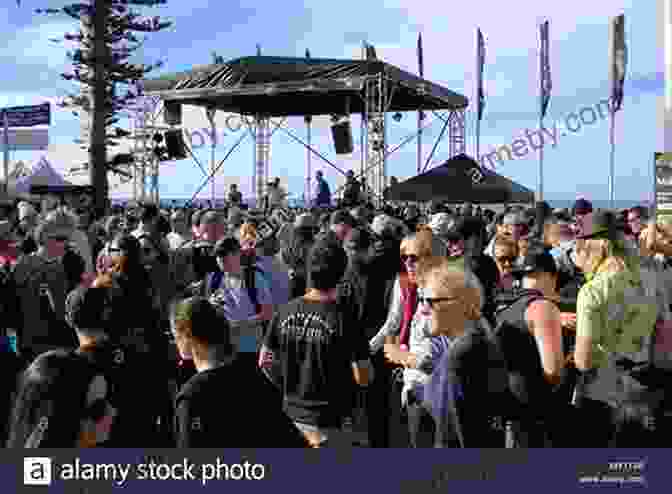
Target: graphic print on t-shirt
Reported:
[(316, 345), (311, 327)]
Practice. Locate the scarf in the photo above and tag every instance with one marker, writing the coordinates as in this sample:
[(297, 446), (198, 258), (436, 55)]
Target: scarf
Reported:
[(410, 298)]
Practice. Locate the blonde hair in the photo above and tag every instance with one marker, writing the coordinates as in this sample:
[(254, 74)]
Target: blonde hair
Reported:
[(439, 272), (601, 255), (248, 233)]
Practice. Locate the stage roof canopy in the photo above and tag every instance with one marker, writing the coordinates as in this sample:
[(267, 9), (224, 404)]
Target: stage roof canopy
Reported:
[(452, 182), (282, 87)]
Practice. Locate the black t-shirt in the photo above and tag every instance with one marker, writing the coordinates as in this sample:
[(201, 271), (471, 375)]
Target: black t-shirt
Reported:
[(232, 406), (136, 390), (316, 343)]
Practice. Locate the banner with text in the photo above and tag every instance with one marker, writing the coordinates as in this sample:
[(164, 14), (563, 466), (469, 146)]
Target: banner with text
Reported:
[(332, 470), (27, 116)]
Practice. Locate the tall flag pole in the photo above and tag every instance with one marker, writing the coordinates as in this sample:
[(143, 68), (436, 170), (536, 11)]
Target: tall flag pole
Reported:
[(480, 96), (545, 86), (421, 114), (309, 167), (618, 65)]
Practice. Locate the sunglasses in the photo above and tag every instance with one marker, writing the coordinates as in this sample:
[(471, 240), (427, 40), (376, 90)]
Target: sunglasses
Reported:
[(59, 238), (409, 258), (508, 259), (431, 301), (147, 250)]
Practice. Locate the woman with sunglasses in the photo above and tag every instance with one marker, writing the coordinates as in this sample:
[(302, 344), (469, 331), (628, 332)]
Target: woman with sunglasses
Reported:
[(467, 391), (62, 402), (405, 336)]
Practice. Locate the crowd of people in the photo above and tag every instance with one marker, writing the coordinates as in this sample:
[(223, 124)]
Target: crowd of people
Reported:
[(399, 326)]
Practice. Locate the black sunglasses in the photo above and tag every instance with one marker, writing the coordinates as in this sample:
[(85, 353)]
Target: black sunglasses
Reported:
[(59, 238), (431, 301)]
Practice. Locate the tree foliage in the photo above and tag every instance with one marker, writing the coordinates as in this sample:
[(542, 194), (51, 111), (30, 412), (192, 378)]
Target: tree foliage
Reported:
[(121, 76)]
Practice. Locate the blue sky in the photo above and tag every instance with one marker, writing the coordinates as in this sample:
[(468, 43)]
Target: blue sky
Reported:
[(579, 65)]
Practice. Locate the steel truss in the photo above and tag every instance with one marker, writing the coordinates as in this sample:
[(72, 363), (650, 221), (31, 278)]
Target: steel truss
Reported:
[(261, 133), (374, 144), (146, 163)]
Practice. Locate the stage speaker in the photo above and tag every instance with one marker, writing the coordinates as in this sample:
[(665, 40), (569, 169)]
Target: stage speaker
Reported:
[(172, 113), (342, 135), (175, 146)]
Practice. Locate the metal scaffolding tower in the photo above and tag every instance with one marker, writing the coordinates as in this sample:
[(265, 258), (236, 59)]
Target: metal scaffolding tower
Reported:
[(261, 133), (457, 132), (146, 163), (375, 147)]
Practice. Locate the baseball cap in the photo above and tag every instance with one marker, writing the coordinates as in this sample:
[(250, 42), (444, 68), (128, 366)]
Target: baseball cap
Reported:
[(582, 206)]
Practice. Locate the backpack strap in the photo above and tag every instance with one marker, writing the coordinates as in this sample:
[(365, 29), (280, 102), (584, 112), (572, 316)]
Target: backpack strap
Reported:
[(250, 273)]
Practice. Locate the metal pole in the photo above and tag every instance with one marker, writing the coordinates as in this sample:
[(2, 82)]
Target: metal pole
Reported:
[(478, 140), (212, 170), (654, 202), (667, 33), (541, 164), (5, 123), (309, 164), (540, 185), (419, 141), (612, 156)]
